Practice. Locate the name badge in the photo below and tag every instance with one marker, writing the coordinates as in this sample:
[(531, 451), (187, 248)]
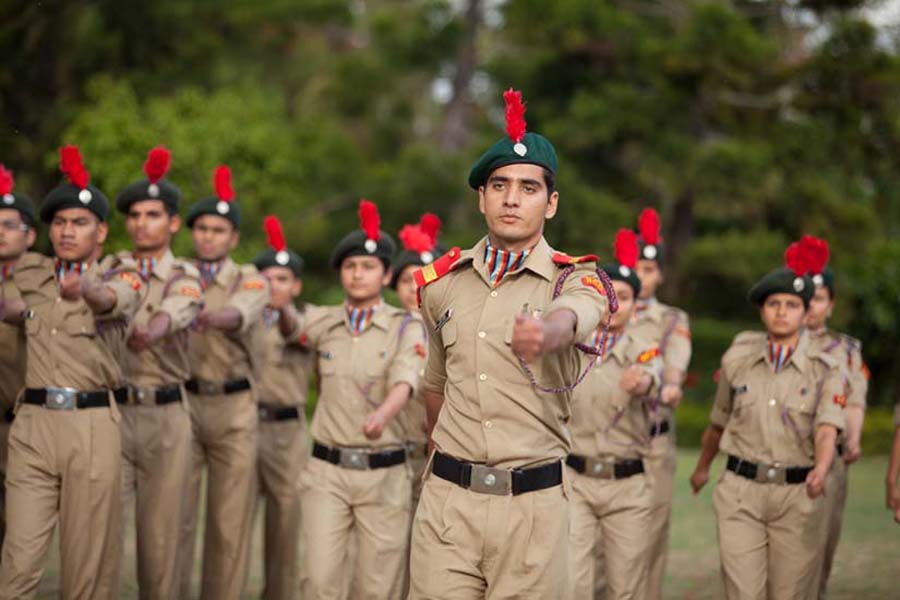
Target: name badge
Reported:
[(740, 389), (443, 320)]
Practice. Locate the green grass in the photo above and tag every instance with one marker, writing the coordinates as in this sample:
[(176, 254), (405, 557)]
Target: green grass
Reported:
[(866, 565)]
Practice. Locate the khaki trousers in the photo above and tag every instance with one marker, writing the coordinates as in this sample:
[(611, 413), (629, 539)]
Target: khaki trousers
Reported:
[(835, 500), (283, 452), (621, 510), (467, 545), (371, 505), (660, 465), (769, 539), (224, 439), (4, 458), (64, 467), (156, 454)]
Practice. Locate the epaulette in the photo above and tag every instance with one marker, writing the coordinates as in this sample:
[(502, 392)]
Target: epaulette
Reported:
[(189, 268), (437, 269), (749, 337), (829, 360), (562, 259)]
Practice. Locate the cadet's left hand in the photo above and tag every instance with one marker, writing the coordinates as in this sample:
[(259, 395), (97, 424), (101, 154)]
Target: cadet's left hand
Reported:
[(634, 380), (671, 394), (852, 453), (374, 425), (815, 483), (528, 337)]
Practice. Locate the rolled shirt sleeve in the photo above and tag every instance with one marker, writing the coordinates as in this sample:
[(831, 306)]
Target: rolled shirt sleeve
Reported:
[(832, 400), (723, 402), (435, 366), (409, 359), (581, 295), (250, 298), (183, 303)]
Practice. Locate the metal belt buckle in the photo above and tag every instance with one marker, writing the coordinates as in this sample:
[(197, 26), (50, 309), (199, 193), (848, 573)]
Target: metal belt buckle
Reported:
[(142, 395), (354, 458), (488, 480), (600, 468), (209, 388), (772, 474), (61, 398)]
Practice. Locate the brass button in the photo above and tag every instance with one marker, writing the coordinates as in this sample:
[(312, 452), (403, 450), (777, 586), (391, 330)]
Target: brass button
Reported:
[(488, 424), (482, 377), (494, 294), (53, 331), (481, 334), (772, 401)]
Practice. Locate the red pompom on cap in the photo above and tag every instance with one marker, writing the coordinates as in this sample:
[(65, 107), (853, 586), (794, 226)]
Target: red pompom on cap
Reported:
[(431, 225), (648, 226), (415, 239), (817, 253), (797, 259), (157, 164), (370, 223), (222, 185), (7, 182), (515, 120), (72, 166), (276, 240), (626, 249)]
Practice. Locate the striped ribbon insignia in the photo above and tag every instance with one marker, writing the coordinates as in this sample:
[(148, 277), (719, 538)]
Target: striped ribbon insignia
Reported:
[(359, 319), (6, 271), (500, 262), (208, 271), (146, 266), (607, 346), (270, 316), (67, 266), (779, 355)]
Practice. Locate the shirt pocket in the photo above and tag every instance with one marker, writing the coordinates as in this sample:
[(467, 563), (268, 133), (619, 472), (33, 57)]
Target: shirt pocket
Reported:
[(80, 324)]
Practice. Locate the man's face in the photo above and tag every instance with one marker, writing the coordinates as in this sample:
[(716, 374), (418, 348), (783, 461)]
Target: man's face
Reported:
[(362, 278), (214, 237), (650, 275), (15, 236), (782, 314), (625, 296), (150, 225), (820, 308), (76, 234), (515, 202), (285, 286), (406, 288)]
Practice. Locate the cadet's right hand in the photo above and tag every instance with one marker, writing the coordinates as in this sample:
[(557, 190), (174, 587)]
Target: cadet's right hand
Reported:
[(815, 483), (139, 339), (70, 287), (698, 479)]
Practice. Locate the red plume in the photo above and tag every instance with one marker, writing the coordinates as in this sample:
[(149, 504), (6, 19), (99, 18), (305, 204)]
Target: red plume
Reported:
[(415, 239), (796, 259), (157, 164), (431, 225), (626, 248), (817, 252), (71, 165), (7, 183), (369, 221), (222, 183), (274, 233), (648, 226), (515, 115)]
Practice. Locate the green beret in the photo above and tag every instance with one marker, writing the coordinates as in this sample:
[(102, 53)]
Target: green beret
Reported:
[(619, 272), (144, 190), (408, 258), (21, 203), (825, 279), (285, 258), (217, 207), (782, 281), (67, 195), (534, 149), (356, 243)]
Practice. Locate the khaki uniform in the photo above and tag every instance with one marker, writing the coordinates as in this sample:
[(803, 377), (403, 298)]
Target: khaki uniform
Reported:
[(668, 327), (283, 450), (224, 427), (64, 464), (477, 545), (770, 533), (355, 374), (609, 427), (848, 351), (12, 380), (156, 438)]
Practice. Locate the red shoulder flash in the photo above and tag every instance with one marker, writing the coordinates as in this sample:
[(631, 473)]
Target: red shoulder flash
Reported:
[(437, 269), (648, 355), (865, 371), (561, 258), (840, 400)]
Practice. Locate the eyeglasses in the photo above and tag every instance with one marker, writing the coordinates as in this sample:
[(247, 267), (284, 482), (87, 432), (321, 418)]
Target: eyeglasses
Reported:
[(13, 226)]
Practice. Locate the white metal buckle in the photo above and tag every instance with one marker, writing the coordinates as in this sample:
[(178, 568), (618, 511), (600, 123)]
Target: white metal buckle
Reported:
[(61, 398), (354, 458), (488, 480)]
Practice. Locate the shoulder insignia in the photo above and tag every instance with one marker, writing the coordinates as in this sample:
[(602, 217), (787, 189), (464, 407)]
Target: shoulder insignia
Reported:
[(190, 291), (648, 355), (563, 259), (593, 281), (254, 284), (132, 279), (840, 400), (437, 269), (683, 332)]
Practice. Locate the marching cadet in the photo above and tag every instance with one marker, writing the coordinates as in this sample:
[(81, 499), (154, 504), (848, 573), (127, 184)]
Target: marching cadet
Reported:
[(668, 327), (420, 248), (156, 426), (17, 235), (283, 378), (221, 398), (848, 351), (892, 481), (777, 412), (610, 424), (502, 319), (64, 445), (357, 482)]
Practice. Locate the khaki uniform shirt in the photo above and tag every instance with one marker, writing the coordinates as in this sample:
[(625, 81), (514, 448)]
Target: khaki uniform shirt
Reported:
[(283, 376), (356, 372), (606, 420), (772, 418), (174, 288), (847, 350), (217, 355), (67, 344), (670, 329), (414, 413), (491, 413), (12, 354)]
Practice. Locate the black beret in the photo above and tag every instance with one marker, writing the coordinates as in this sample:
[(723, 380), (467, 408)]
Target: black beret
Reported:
[(409, 258), (217, 207), (619, 272), (284, 258), (356, 243), (782, 281), (162, 190), (21, 203), (67, 195)]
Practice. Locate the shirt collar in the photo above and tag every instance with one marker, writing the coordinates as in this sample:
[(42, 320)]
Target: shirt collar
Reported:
[(797, 358), (538, 261)]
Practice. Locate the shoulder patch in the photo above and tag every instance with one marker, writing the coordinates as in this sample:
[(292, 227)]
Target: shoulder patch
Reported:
[(190, 291), (132, 279), (563, 259), (437, 269), (254, 284), (647, 355), (593, 281), (189, 268)]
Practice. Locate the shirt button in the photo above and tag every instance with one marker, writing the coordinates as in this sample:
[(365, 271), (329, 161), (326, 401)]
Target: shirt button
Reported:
[(494, 294), (482, 377), (772, 401), (481, 334), (488, 424), (53, 331)]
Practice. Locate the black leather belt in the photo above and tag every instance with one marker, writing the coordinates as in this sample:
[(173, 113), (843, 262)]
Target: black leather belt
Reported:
[(211, 388), (70, 398), (660, 428), (359, 458), (767, 473), (840, 449), (490, 480), (166, 394), (273, 412), (621, 469), (9, 416)]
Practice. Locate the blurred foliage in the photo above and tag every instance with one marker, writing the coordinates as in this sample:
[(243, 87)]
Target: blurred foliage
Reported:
[(746, 123)]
